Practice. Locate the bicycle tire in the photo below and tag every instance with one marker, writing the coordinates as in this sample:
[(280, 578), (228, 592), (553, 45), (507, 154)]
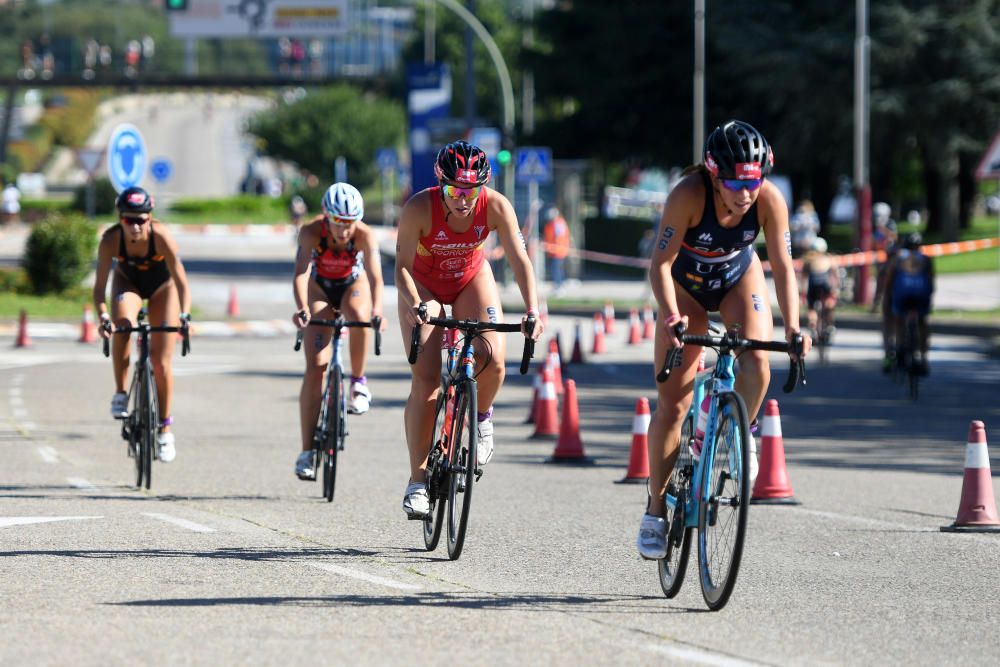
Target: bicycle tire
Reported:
[(462, 466), (152, 425), (913, 366), (672, 568), (436, 461), (724, 487), (331, 444)]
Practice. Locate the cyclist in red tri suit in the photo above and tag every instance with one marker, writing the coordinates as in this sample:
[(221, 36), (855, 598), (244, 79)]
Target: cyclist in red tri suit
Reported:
[(440, 261), (704, 262), (146, 266), (345, 276)]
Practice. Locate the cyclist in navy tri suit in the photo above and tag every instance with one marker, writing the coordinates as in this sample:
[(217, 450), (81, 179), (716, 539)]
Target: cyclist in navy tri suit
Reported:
[(704, 262)]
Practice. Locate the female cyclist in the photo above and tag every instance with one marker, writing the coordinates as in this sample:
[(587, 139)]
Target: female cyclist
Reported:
[(440, 261), (337, 269), (146, 266), (704, 262)]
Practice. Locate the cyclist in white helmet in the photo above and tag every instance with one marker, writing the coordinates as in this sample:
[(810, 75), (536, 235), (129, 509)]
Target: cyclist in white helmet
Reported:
[(337, 269)]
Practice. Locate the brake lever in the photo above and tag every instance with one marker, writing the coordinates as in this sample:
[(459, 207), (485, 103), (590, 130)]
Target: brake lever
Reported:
[(673, 357)]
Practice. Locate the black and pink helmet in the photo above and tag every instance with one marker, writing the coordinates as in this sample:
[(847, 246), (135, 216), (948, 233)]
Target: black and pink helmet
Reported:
[(134, 200), (462, 163), (737, 150)]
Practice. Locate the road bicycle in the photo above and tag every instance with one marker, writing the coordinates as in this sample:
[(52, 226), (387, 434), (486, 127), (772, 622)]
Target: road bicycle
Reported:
[(909, 362), (452, 465), (821, 333), (140, 427), (331, 427), (710, 486)]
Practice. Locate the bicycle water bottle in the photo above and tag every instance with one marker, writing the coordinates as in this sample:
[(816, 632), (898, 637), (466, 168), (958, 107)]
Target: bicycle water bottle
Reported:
[(702, 424)]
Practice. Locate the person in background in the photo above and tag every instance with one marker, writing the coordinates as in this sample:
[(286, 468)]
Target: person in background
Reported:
[(909, 285), (11, 207), (557, 241), (822, 284), (804, 226)]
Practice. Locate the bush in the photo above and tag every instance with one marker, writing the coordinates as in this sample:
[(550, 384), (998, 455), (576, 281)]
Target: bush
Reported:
[(104, 198), (249, 204), (59, 253)]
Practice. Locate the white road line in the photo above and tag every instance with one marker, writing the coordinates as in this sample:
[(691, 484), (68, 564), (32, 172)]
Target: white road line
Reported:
[(864, 520), (16, 380), (17, 413), (48, 454), (81, 483), (364, 576), (702, 657), (6, 521), (29, 426), (183, 523)]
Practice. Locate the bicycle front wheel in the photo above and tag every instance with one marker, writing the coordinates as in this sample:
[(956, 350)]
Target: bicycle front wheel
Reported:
[(437, 480), (673, 567), (725, 497), (334, 422), (152, 427), (462, 467)]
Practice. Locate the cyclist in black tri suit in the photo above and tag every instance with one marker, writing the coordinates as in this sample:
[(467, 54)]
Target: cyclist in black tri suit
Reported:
[(146, 267), (704, 262)]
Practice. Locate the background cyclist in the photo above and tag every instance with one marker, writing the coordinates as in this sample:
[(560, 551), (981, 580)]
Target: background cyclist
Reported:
[(704, 262), (439, 261), (146, 265), (822, 285), (909, 284), (337, 268)]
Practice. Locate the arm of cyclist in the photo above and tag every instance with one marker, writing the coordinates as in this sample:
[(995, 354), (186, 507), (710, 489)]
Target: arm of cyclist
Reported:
[(300, 276), (503, 219), (681, 211), (774, 219), (176, 267), (414, 222), (373, 267), (105, 253)]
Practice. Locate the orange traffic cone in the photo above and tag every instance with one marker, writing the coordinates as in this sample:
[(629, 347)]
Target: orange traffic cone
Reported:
[(556, 366), (562, 359), (638, 461), (546, 409), (772, 487), (233, 310), (648, 322), (598, 347), (609, 318), (577, 355), (536, 388), (22, 331), (88, 330), (634, 335), (569, 447), (977, 511)]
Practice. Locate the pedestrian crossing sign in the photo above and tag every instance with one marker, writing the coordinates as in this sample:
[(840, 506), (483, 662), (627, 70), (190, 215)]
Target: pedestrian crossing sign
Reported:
[(534, 165), (989, 166)]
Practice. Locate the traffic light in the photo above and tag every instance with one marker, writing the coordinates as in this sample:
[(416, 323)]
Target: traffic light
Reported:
[(176, 5), (503, 157)]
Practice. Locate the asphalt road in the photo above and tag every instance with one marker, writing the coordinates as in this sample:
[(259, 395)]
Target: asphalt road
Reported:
[(231, 559)]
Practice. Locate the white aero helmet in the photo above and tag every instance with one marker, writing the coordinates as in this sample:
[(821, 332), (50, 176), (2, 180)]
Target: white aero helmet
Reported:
[(819, 244), (343, 201)]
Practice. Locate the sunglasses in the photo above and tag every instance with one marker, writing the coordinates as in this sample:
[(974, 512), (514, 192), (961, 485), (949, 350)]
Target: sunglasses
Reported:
[(737, 184), (339, 222), (134, 220), (456, 192)]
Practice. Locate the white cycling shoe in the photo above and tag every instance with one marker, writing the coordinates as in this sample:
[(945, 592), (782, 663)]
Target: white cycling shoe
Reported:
[(165, 449), (484, 444), (304, 466), (361, 399), (652, 540), (119, 405), (416, 502)]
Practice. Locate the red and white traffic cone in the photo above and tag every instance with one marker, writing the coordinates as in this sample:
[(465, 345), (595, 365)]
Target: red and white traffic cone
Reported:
[(577, 356), (233, 309), (772, 486), (556, 366), (569, 447), (88, 329), (23, 340), (648, 322), (609, 318), (634, 334), (638, 461), (598, 347), (547, 408), (977, 511)]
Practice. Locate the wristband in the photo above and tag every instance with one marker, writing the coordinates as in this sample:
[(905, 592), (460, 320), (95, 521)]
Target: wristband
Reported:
[(104, 317), (672, 319), (531, 312)]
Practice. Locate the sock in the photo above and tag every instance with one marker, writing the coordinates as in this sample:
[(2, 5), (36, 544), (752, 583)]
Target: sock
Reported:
[(483, 416), (360, 379), (754, 427)]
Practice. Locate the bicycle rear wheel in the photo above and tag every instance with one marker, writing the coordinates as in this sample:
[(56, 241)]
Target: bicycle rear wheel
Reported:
[(333, 425), (437, 481), (672, 568), (462, 467), (725, 497), (152, 426)]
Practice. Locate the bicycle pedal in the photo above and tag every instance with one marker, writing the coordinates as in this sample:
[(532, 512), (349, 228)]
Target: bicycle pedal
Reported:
[(479, 473)]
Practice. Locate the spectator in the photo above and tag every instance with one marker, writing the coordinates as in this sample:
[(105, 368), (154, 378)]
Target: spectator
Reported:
[(11, 207), (297, 210), (885, 233), (804, 227), (556, 235)]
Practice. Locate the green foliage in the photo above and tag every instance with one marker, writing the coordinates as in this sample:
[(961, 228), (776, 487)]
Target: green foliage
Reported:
[(58, 254), (104, 198), (330, 122), (243, 204), (70, 125)]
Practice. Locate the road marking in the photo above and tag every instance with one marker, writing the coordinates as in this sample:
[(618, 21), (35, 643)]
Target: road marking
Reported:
[(183, 523), (364, 576), (703, 657), (865, 520), (17, 413), (6, 521), (48, 454), (29, 426), (81, 483)]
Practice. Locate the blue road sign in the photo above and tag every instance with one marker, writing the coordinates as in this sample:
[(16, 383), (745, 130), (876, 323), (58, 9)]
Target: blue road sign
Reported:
[(386, 159), (126, 157), (533, 165), (161, 169)]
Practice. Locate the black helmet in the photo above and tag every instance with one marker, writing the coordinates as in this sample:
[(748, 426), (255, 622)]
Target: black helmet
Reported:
[(913, 241), (134, 200), (461, 162), (737, 150)]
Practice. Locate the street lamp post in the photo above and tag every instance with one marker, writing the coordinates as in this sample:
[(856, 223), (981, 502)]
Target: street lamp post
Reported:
[(699, 79), (861, 116)]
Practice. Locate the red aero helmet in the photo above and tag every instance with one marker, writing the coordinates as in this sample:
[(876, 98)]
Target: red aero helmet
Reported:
[(462, 163)]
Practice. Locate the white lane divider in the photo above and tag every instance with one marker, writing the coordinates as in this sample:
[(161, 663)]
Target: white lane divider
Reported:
[(183, 523), (691, 654), (48, 454), (6, 521), (81, 483), (865, 520), (364, 576)]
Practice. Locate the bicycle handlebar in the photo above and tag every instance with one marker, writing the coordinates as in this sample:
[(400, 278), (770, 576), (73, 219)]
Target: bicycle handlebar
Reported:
[(184, 331), (341, 323), (473, 326), (730, 341)]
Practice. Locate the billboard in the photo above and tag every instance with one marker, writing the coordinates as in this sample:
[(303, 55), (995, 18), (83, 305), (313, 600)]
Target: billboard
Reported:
[(260, 18)]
